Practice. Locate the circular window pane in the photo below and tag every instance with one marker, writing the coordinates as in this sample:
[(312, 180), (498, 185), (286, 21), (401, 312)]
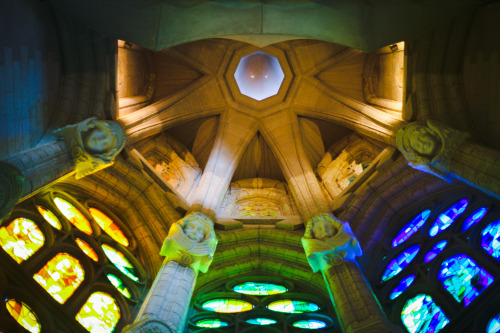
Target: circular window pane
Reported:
[(227, 305), (120, 261), (490, 239), (438, 247), (73, 215), (23, 315), (118, 284), (494, 325), (261, 321), (110, 227), (49, 217), (411, 228), (445, 219), (87, 249), (400, 262), (402, 286), (292, 306), (312, 324), (474, 218), (259, 288), (211, 323)]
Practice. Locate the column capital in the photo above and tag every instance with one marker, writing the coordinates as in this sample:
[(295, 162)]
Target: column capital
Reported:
[(191, 242), (328, 241), (430, 146), (93, 144)]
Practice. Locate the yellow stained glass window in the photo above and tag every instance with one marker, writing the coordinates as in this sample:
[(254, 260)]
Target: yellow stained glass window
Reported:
[(49, 217), (61, 276), (87, 249), (23, 315), (99, 314), (110, 227), (73, 215), (21, 238)]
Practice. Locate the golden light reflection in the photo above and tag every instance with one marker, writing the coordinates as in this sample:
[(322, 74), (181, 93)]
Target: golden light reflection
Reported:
[(23, 315), (49, 217), (99, 314), (87, 249), (110, 227), (73, 215)]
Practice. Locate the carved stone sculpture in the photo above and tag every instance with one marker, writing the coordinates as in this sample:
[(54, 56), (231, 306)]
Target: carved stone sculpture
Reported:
[(93, 144), (191, 242), (430, 146), (329, 241)]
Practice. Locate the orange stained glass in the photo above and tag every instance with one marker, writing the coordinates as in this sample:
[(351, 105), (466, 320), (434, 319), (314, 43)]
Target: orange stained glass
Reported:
[(110, 227), (49, 217), (87, 249), (23, 315), (21, 238), (73, 215), (61, 276), (99, 314)]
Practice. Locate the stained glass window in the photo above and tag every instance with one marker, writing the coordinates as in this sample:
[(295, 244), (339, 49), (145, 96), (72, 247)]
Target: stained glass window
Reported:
[(99, 314), (463, 278), (474, 218), (438, 247), (261, 321), (118, 259), (411, 228), (310, 324), (118, 284), (445, 219), (60, 276), (494, 325), (23, 315), (21, 238), (402, 286), (227, 305), (211, 323), (49, 217), (400, 262), (110, 227), (87, 249), (73, 215), (259, 288), (421, 314), (292, 306), (490, 239)]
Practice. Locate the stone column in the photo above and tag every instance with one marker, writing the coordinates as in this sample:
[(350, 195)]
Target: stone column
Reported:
[(438, 149), (188, 249), (88, 146), (331, 248)]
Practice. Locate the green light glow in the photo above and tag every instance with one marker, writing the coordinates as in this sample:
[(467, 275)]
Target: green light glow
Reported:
[(259, 288), (261, 321), (211, 323), (227, 305), (118, 283), (292, 306), (310, 324), (118, 259)]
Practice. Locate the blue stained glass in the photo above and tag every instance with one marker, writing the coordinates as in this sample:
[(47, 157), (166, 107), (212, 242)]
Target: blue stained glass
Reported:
[(402, 286), (261, 321), (421, 314), (444, 220), (463, 278), (490, 239), (494, 325), (400, 262), (474, 218), (429, 256), (411, 228)]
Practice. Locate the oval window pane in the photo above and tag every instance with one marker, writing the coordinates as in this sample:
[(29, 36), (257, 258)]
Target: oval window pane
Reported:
[(259, 288), (23, 315), (261, 321), (87, 249), (211, 323), (99, 314), (227, 305), (312, 324), (61, 276), (400, 262), (50, 217), (402, 286), (438, 247), (120, 261), (73, 215), (21, 239), (292, 306), (411, 228), (494, 325), (474, 218), (490, 239), (445, 219), (118, 284), (110, 227), (421, 314)]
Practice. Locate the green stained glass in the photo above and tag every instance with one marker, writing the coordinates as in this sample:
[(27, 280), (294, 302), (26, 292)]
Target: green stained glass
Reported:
[(211, 323), (118, 283), (259, 288), (21, 238), (311, 324), (73, 215), (49, 217), (292, 306), (23, 315), (227, 305), (99, 314), (118, 259), (421, 314), (261, 321)]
